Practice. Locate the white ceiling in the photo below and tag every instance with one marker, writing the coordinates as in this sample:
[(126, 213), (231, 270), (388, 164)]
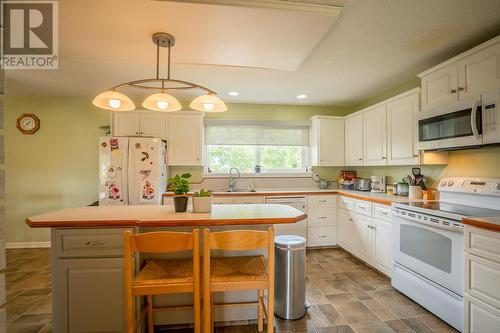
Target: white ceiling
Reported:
[(267, 55)]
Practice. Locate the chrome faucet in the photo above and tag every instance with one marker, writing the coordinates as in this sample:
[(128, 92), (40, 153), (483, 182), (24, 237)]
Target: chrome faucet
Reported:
[(232, 179)]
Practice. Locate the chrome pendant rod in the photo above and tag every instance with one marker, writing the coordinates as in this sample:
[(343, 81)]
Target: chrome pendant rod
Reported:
[(138, 84), (157, 61), (168, 66)]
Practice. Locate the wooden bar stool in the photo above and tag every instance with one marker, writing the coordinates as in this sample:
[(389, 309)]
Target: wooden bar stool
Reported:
[(161, 276), (239, 273)]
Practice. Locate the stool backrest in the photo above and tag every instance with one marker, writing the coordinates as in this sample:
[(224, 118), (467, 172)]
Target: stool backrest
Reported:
[(160, 241), (239, 240)]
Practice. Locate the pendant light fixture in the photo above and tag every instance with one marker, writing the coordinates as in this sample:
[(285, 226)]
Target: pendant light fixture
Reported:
[(160, 100)]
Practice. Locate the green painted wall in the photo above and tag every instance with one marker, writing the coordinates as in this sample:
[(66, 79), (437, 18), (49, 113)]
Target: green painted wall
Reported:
[(54, 168)]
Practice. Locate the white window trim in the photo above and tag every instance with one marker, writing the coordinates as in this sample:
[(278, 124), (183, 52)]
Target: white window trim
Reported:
[(306, 174)]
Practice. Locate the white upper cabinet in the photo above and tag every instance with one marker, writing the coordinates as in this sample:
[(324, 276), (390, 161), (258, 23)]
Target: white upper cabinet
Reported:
[(472, 72), (402, 130), (375, 135), (479, 72), (327, 141), (141, 123), (153, 124), (440, 86), (185, 138), (354, 140), (125, 124)]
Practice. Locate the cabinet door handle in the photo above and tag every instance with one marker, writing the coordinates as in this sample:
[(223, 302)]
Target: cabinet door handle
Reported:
[(350, 220), (415, 155), (459, 89), (453, 91), (383, 157), (136, 132), (94, 243), (360, 159)]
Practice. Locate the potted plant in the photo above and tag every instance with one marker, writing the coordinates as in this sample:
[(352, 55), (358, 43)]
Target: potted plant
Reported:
[(180, 186), (202, 201)]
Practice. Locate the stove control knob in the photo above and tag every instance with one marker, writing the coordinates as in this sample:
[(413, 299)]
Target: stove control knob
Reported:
[(498, 186), (450, 183), (443, 183)]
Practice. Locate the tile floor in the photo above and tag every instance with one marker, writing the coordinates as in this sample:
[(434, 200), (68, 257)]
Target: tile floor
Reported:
[(346, 296)]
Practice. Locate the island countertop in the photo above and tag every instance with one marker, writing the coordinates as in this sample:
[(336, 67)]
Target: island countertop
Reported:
[(165, 216)]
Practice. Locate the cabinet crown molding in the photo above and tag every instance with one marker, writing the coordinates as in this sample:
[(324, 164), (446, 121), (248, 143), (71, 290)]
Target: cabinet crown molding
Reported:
[(462, 55)]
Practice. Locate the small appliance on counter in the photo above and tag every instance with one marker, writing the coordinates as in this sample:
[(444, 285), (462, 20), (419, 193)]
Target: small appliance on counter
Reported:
[(347, 179), (362, 184), (378, 184)]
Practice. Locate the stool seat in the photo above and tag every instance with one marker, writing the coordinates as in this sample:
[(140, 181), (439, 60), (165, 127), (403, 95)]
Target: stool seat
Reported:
[(165, 271), (237, 269)]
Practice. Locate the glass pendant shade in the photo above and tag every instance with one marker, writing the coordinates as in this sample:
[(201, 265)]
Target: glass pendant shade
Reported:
[(114, 101), (162, 102), (208, 103)]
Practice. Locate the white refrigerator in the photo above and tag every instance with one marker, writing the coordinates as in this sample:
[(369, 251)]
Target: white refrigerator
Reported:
[(132, 171)]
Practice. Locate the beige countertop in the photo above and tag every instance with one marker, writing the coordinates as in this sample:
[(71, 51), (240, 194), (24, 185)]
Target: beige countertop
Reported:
[(485, 222), (164, 216), (382, 198)]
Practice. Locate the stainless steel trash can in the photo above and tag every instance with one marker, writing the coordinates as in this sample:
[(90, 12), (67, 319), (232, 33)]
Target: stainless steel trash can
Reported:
[(290, 276)]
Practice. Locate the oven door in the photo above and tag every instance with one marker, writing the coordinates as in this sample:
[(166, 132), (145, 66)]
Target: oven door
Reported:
[(435, 253), (448, 128)]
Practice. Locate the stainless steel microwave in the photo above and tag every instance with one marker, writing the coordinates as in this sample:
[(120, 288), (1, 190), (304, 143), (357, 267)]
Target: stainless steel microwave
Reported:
[(471, 122)]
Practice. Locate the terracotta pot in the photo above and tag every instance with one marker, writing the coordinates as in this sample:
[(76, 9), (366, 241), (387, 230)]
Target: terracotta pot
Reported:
[(180, 203), (202, 204)]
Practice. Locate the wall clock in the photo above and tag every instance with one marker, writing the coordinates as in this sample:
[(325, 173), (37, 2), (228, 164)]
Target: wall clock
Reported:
[(28, 123)]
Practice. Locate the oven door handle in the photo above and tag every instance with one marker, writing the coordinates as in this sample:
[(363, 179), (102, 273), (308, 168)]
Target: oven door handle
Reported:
[(473, 121)]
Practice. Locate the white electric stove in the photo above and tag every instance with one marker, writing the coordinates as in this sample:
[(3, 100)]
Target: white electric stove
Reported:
[(428, 244)]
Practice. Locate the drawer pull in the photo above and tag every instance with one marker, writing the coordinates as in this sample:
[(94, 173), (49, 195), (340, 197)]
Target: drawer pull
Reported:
[(322, 236), (322, 201), (383, 213), (94, 243), (350, 220), (321, 217)]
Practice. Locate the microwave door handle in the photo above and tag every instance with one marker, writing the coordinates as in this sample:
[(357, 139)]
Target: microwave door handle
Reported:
[(473, 122)]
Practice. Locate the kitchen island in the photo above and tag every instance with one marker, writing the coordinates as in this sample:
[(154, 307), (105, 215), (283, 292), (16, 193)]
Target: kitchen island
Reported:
[(87, 259)]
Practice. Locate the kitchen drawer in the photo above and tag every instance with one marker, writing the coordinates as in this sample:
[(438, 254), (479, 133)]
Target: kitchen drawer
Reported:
[(321, 236), (319, 217), (363, 207), (347, 203), (71, 243), (482, 243), (321, 200), (481, 279), (249, 200), (382, 212), (480, 317), (222, 200)]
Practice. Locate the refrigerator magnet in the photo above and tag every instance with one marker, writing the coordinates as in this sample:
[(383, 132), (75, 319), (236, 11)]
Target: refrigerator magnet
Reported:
[(114, 193), (148, 192), (114, 145)]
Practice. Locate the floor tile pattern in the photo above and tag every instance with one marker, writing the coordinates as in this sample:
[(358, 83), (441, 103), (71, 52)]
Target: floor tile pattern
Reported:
[(345, 295)]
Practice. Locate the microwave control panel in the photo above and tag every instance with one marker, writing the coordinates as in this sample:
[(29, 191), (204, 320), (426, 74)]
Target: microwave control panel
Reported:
[(491, 116)]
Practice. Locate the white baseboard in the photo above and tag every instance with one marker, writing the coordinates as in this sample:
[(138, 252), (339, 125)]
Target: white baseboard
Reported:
[(27, 245)]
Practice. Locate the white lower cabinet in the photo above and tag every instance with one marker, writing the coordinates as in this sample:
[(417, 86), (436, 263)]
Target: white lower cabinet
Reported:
[(480, 317), (367, 237), (382, 245), (362, 237), (346, 229), (482, 274), (321, 220)]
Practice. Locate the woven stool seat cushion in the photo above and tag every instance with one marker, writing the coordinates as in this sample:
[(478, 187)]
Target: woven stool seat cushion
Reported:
[(165, 271), (237, 269)]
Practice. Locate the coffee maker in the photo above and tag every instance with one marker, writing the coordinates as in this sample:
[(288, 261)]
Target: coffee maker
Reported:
[(378, 184)]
